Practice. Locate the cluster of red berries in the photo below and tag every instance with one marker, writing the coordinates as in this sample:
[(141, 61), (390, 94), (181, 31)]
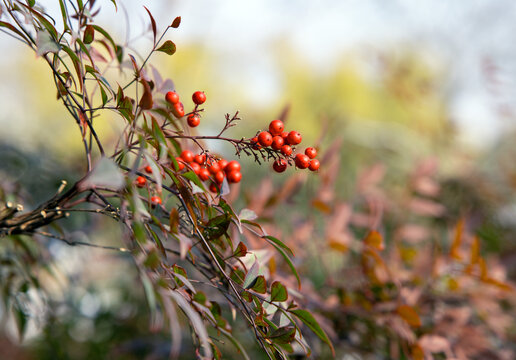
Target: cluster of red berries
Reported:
[(209, 168), (282, 141), (206, 168), (193, 119)]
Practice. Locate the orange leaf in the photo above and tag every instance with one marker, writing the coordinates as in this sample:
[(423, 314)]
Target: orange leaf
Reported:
[(83, 122), (375, 240), (410, 315), (498, 283), (454, 251), (417, 353)]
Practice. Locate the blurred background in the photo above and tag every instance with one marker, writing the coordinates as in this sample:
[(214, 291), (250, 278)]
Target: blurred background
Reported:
[(392, 83)]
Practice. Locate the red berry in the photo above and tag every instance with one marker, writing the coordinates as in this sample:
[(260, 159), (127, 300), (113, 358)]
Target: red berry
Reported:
[(294, 138), (204, 174), (311, 152), (199, 97), (223, 163), (302, 161), (276, 127), (286, 150), (277, 142), (155, 200), (234, 176), (233, 165), (280, 165), (187, 156), (180, 164), (214, 188), (193, 120), (219, 177), (284, 135), (214, 167), (255, 143), (178, 110), (196, 168), (148, 169), (314, 165), (141, 181), (172, 97), (265, 138), (200, 159)]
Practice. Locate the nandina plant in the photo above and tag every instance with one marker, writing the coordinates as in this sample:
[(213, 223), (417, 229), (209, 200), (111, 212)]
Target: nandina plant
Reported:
[(160, 182)]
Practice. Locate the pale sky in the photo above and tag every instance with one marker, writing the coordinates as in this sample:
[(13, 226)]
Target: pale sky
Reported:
[(468, 37)]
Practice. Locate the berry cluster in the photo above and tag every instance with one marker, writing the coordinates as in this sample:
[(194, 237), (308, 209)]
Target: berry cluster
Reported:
[(282, 142), (208, 168), (193, 119)]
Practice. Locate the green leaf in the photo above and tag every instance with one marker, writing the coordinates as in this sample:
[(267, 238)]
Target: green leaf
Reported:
[(279, 243), (313, 325), (260, 285), (13, 29), (241, 250), (190, 175), (21, 321), (283, 335), (278, 292), (168, 47), (152, 261), (89, 34), (287, 259), (63, 14)]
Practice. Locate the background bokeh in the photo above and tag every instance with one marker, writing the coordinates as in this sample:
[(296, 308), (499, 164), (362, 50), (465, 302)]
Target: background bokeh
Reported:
[(395, 82)]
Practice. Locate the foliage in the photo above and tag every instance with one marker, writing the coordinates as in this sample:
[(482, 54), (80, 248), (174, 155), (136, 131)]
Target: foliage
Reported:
[(394, 263), (179, 236)]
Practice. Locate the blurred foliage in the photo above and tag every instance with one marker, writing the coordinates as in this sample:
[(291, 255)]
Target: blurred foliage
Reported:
[(384, 132)]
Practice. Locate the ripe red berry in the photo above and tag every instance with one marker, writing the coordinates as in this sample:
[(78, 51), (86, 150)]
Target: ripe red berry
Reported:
[(196, 168), (286, 150), (234, 176), (265, 138), (294, 138), (178, 110), (214, 167), (279, 165), (219, 177), (256, 145), (172, 97), (193, 120), (277, 142), (141, 181), (284, 135), (155, 200), (311, 152), (180, 164), (214, 188), (223, 163), (233, 165), (187, 156), (204, 174), (200, 159), (148, 169), (276, 127), (314, 165), (302, 161), (199, 97)]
